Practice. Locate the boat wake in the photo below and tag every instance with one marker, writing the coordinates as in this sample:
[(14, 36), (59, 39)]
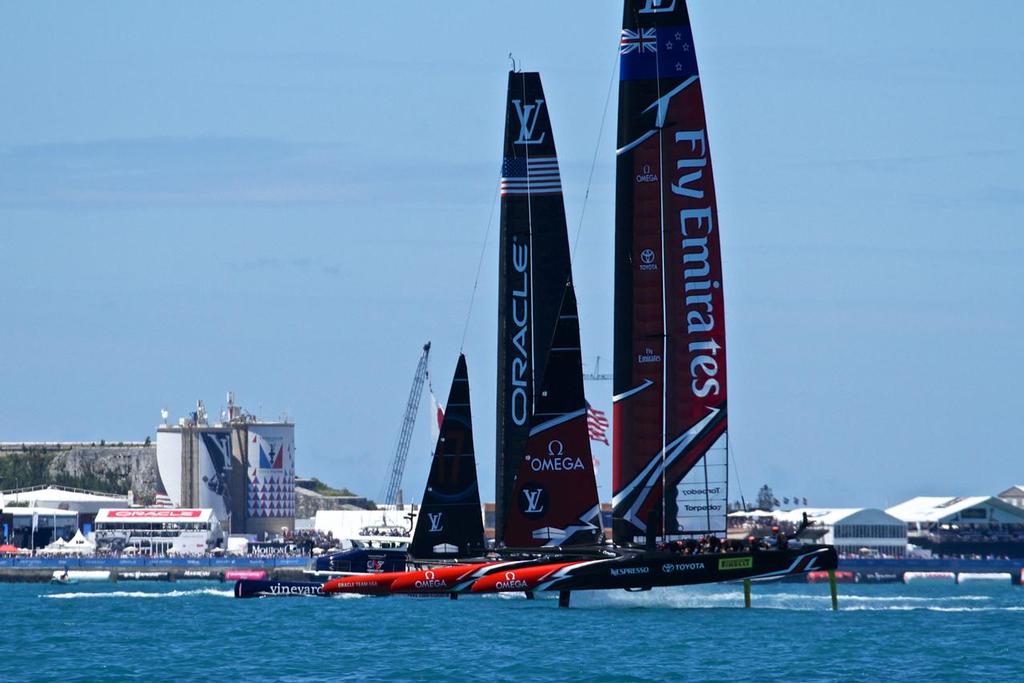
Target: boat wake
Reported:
[(789, 601), (139, 594)]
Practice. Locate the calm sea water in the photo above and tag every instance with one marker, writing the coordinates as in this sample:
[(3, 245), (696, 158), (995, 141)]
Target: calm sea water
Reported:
[(195, 631)]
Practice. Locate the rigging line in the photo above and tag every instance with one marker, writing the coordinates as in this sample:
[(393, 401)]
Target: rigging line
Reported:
[(593, 163), (479, 267), (532, 298), (735, 466), (664, 303)]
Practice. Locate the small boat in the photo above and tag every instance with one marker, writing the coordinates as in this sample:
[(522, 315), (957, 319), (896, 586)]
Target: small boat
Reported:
[(73, 576), (240, 574)]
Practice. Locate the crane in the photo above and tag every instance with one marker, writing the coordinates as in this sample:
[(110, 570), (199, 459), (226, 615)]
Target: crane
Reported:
[(392, 493), (597, 374)]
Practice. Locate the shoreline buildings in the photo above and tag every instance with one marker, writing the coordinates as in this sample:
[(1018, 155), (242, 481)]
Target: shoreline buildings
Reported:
[(242, 468)]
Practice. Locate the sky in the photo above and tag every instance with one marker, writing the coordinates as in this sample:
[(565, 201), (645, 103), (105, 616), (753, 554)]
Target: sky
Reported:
[(287, 202)]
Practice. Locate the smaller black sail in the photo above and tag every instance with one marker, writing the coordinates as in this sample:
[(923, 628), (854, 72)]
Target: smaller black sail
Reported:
[(450, 522)]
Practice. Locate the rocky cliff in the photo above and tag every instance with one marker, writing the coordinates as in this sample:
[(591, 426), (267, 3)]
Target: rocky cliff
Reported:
[(115, 468)]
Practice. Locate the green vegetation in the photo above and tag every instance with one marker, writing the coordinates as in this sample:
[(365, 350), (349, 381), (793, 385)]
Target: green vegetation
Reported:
[(28, 468), (31, 467), (325, 490)]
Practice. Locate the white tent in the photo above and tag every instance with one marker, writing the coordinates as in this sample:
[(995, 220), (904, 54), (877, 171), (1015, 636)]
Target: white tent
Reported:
[(751, 513), (78, 545)]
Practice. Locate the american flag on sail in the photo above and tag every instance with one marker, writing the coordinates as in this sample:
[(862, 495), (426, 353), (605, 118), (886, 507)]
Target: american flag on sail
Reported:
[(644, 40), (530, 175), (597, 424), (163, 501)]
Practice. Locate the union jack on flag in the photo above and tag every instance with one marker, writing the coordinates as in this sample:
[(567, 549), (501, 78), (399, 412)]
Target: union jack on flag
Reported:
[(644, 40), (597, 424)]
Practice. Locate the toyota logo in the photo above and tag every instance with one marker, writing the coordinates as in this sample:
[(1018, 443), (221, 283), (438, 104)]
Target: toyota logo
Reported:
[(647, 256)]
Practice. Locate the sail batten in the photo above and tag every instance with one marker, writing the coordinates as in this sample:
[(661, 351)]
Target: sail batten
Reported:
[(670, 449)]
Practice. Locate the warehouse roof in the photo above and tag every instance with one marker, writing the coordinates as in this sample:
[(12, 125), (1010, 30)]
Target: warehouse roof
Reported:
[(935, 508)]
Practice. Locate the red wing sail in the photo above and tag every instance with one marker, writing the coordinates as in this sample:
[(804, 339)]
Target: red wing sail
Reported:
[(554, 499), (669, 440)]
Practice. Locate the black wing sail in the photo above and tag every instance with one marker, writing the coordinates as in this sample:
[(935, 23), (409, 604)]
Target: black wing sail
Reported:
[(533, 269), (555, 494), (450, 522)]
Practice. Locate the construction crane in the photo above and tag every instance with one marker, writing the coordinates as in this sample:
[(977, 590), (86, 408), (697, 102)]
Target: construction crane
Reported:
[(393, 492), (597, 374)]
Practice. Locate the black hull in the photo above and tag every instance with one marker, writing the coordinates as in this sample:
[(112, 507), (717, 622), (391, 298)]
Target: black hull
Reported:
[(643, 570), (247, 588)]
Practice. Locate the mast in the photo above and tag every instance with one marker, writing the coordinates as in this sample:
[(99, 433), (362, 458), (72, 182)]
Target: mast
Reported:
[(554, 501), (533, 269), (450, 522), (669, 449)]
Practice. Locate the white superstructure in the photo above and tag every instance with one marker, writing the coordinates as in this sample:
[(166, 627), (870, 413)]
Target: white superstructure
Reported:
[(854, 530), (159, 531)]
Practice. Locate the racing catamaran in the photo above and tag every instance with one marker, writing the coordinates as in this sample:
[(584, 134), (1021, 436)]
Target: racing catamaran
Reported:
[(670, 436)]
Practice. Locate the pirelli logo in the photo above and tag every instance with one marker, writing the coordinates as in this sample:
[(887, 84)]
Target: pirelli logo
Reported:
[(726, 563)]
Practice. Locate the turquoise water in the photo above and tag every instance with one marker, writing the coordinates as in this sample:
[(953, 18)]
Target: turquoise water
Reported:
[(195, 631)]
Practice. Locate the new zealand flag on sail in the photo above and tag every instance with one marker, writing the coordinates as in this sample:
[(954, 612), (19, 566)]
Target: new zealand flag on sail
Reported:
[(665, 51)]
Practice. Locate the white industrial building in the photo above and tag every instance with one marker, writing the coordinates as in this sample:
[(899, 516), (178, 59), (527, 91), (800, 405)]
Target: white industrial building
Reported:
[(854, 531), (36, 527), (241, 467), (933, 514), (63, 497), (1014, 496)]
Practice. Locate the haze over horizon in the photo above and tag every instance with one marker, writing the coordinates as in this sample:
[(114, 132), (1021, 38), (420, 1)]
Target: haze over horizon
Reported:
[(196, 198)]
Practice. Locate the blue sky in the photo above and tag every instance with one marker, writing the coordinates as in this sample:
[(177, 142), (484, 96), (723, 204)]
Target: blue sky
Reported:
[(287, 202)]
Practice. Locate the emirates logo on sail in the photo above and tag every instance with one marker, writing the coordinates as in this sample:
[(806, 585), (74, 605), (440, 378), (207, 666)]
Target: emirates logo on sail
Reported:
[(696, 226), (648, 356)]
